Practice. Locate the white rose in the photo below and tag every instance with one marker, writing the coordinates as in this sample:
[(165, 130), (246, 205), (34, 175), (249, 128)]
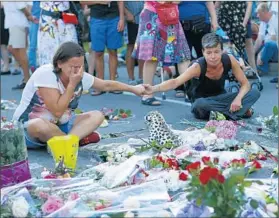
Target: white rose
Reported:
[(110, 153), (20, 207), (117, 157), (131, 202)]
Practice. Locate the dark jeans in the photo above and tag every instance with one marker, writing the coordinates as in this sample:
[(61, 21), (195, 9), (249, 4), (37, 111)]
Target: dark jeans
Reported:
[(194, 41), (202, 106)]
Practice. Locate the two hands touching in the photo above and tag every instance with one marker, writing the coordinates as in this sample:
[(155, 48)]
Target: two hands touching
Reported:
[(143, 89)]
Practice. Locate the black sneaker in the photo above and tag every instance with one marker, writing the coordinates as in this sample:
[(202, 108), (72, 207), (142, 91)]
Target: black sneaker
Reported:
[(19, 86)]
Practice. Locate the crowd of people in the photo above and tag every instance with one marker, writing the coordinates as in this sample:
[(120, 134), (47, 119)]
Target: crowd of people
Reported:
[(183, 34)]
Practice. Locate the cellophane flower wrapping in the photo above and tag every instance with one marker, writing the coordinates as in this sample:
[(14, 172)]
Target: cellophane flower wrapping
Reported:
[(14, 158)]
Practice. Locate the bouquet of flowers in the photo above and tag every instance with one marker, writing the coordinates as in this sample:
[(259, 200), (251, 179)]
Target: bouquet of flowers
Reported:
[(13, 158), (120, 153), (223, 191), (223, 129)]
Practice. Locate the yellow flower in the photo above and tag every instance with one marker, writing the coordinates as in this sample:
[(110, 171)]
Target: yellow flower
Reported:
[(154, 59)]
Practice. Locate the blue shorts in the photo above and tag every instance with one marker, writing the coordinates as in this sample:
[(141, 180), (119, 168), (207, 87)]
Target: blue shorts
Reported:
[(104, 34), (35, 143)]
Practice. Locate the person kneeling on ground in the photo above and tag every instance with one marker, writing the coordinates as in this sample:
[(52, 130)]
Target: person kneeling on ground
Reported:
[(206, 80), (52, 93)]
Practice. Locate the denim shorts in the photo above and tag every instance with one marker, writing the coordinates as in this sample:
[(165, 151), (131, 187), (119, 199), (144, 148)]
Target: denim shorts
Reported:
[(35, 143), (104, 34)]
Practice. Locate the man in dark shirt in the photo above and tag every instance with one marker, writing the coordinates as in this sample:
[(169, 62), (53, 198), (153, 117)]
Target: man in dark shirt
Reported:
[(106, 30)]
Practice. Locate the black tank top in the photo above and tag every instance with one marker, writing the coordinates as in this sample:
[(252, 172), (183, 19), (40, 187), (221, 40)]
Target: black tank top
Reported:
[(207, 87)]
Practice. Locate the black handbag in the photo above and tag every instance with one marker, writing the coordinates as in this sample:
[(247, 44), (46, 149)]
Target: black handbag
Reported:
[(196, 24)]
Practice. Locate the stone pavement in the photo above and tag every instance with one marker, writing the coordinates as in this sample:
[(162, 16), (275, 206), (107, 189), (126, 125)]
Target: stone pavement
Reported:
[(174, 110)]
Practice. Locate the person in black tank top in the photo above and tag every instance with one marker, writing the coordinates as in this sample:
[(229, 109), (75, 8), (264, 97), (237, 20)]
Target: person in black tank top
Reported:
[(205, 79)]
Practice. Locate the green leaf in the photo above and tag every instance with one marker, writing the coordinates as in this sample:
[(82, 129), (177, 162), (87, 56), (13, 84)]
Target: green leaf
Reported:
[(247, 183), (254, 204), (121, 111), (166, 165), (129, 113), (275, 110), (199, 201)]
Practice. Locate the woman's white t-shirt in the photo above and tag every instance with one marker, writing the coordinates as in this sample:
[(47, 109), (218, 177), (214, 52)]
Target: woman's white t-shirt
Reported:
[(32, 104)]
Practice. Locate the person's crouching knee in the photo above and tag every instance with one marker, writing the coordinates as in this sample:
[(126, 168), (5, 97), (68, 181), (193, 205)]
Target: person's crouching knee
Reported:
[(199, 109)]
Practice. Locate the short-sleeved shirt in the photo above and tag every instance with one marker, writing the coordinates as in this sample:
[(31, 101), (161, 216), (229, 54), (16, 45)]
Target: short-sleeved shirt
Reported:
[(32, 104), (13, 14), (191, 9), (269, 29), (135, 7), (100, 11)]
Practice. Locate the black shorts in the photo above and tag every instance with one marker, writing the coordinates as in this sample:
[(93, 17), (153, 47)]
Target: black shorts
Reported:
[(4, 32), (132, 32), (249, 30)]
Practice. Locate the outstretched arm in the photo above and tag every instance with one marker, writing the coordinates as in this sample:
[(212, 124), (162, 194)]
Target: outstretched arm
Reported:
[(191, 72), (110, 85)]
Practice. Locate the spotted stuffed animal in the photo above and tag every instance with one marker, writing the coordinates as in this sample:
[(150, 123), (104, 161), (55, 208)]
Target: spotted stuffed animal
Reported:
[(159, 131)]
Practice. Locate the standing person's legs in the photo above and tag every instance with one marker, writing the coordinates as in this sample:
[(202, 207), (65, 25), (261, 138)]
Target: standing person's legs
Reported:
[(18, 43), (268, 53), (130, 63), (98, 40), (250, 47), (201, 107), (114, 41), (5, 58), (32, 55), (149, 69)]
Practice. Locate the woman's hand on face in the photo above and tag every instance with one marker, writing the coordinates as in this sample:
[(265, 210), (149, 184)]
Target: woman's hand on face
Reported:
[(75, 77)]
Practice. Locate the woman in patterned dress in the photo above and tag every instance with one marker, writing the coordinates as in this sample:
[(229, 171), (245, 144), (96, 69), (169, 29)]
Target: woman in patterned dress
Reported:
[(159, 43), (235, 19), (52, 30)]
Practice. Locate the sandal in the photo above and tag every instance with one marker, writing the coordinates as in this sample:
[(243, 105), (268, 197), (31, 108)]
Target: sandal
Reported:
[(179, 94), (96, 93), (151, 102)]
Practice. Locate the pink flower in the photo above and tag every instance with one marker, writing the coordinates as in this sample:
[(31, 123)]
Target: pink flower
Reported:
[(73, 196), (43, 195), (52, 204)]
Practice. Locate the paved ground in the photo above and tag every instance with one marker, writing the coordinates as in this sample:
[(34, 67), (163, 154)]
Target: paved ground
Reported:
[(174, 111)]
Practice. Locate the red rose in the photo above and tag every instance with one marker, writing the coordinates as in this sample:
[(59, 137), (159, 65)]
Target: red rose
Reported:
[(242, 161), (183, 176), (193, 166), (204, 177), (205, 159), (256, 165), (214, 172), (261, 157), (160, 158), (175, 164), (220, 178), (169, 162)]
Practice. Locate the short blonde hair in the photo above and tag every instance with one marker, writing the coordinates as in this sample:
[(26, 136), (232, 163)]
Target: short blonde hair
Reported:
[(263, 7)]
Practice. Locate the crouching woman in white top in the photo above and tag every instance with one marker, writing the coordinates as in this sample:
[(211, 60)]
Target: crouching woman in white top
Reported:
[(52, 94)]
